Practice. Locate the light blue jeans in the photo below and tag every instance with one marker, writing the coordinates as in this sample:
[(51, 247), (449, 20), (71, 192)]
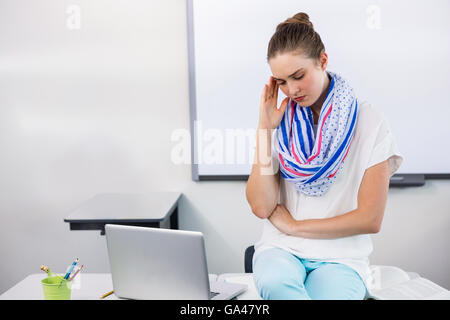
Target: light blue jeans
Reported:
[(280, 275)]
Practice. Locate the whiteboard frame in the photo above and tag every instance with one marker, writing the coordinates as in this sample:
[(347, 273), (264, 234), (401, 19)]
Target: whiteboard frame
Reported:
[(397, 180)]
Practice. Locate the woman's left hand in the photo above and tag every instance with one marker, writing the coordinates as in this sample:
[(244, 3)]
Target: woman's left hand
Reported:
[(282, 219)]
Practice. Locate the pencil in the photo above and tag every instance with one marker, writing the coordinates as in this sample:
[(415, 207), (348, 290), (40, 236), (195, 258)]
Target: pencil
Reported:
[(79, 269), (107, 294), (68, 272), (71, 269)]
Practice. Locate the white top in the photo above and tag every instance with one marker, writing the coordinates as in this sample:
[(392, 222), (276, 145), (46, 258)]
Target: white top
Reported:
[(372, 143)]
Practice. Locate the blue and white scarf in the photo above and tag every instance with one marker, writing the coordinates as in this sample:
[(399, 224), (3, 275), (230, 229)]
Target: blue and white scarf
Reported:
[(313, 163)]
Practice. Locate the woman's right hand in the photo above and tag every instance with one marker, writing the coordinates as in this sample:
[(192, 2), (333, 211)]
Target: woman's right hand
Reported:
[(269, 115)]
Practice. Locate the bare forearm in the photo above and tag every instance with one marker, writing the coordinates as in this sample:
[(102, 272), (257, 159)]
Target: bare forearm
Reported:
[(263, 185), (349, 224), (346, 225), (367, 218)]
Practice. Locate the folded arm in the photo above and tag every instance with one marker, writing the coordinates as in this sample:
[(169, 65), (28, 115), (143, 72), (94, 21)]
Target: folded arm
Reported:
[(367, 218)]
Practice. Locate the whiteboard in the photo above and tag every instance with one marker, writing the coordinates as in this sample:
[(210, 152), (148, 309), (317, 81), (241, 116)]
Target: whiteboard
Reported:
[(396, 55)]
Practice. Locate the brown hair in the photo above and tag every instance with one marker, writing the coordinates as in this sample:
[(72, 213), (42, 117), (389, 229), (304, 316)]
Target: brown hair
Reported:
[(296, 34)]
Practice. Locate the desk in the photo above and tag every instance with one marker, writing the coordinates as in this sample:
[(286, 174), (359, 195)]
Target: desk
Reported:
[(156, 209), (88, 286)]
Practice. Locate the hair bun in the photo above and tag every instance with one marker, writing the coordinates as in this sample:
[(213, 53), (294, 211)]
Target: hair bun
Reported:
[(296, 35), (299, 18), (303, 18)]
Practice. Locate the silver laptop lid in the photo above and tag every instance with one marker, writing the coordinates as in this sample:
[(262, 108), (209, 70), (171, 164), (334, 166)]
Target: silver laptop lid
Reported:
[(153, 263)]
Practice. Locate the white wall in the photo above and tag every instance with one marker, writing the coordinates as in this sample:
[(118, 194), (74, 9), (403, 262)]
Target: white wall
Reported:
[(66, 135)]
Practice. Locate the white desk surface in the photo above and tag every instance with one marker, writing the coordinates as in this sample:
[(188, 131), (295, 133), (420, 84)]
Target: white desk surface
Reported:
[(90, 286)]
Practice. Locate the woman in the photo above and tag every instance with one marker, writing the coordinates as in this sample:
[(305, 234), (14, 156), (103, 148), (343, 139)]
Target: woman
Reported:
[(336, 155)]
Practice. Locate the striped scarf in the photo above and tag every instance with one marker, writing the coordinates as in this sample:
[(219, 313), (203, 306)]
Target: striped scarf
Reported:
[(313, 163)]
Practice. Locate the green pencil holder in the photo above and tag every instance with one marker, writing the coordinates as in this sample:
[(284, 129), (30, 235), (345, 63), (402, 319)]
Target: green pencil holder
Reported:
[(54, 291)]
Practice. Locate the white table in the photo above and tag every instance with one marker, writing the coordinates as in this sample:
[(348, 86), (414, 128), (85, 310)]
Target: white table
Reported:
[(87, 286)]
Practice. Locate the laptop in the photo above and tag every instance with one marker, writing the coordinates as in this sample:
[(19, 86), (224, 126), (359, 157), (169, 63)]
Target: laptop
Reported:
[(162, 264)]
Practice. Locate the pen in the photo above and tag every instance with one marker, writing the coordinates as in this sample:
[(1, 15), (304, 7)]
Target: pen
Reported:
[(68, 272), (107, 294), (71, 268), (71, 278)]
